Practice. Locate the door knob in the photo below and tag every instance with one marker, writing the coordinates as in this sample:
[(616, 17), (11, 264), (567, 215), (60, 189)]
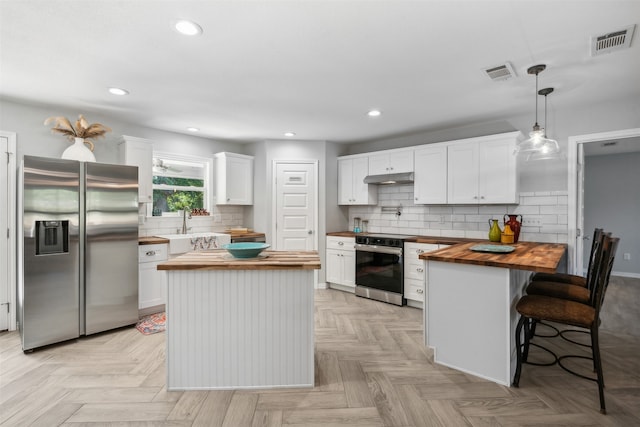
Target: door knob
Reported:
[(310, 232)]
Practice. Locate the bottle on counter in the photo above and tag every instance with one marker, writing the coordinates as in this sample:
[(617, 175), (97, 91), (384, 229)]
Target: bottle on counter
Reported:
[(494, 231)]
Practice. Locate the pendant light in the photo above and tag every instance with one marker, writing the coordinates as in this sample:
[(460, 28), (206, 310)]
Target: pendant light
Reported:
[(536, 136), (549, 148)]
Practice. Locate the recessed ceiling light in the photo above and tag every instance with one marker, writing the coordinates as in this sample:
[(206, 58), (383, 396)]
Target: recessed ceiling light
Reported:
[(193, 129), (118, 91), (289, 134), (374, 113), (188, 28)]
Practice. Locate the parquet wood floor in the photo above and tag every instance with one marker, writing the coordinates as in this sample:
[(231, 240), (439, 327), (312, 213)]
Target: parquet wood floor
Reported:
[(372, 369)]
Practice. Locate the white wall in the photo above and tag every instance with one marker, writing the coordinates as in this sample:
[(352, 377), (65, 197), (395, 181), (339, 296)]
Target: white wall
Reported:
[(36, 139), (265, 153), (612, 202), (541, 176)]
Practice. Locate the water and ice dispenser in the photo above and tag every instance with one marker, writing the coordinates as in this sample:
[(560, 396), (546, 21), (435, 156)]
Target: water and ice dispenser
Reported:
[(52, 237)]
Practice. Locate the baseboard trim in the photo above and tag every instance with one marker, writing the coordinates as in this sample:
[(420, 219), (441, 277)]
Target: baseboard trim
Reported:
[(623, 274)]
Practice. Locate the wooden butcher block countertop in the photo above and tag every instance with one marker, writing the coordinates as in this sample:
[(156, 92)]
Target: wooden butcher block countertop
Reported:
[(151, 240), (532, 256), (221, 260), (436, 240)]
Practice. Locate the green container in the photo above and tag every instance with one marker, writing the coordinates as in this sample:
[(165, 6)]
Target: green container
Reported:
[(494, 231)]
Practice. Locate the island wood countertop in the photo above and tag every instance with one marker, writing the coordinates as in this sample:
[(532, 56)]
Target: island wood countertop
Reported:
[(220, 259), (532, 256)]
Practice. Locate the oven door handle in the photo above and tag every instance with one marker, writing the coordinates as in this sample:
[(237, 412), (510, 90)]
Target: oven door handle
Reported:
[(379, 249)]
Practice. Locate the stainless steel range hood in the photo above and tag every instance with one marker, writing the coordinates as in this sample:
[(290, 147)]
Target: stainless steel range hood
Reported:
[(390, 178)]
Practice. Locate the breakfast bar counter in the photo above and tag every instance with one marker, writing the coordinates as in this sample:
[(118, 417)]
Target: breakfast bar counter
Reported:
[(240, 323), (470, 316)]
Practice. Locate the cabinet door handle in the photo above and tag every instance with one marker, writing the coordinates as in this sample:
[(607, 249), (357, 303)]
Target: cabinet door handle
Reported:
[(150, 253), (482, 197), (420, 291), (420, 270), (475, 197), (341, 243), (419, 251)]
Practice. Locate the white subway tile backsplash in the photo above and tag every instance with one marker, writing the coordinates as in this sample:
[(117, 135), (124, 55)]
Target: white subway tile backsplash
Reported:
[(470, 221), (454, 233), (441, 209), (557, 210), (554, 228), (539, 200), (524, 210), (465, 209), (221, 218)]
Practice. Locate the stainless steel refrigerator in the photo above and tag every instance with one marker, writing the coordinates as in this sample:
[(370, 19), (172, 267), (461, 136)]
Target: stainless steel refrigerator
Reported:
[(79, 254)]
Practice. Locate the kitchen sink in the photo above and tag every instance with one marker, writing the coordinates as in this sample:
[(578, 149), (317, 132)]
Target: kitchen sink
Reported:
[(181, 243)]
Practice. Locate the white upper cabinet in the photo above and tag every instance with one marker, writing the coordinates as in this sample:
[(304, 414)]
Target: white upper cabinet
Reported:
[(391, 162), (234, 179), (139, 152), (483, 170), (430, 167), (351, 187)]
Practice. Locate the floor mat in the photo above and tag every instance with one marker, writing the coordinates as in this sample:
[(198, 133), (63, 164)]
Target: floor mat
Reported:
[(152, 324)]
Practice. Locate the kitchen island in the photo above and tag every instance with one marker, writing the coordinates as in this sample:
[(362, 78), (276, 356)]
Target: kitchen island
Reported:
[(470, 316), (240, 323)]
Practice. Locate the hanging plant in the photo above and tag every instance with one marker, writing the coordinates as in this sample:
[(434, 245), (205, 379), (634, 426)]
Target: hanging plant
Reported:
[(82, 129)]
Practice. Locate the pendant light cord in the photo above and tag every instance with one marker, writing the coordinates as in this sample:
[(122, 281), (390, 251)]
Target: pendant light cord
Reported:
[(537, 126)]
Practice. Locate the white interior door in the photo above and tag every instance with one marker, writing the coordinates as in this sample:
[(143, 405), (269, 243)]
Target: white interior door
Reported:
[(7, 232), (295, 206)]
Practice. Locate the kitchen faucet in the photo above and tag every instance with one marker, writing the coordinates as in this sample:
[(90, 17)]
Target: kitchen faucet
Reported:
[(184, 218)]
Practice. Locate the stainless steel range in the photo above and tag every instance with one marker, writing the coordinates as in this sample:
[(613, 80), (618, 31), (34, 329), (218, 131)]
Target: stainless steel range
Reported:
[(379, 267)]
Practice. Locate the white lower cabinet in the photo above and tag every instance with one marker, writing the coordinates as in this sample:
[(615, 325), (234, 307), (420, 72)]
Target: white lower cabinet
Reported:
[(341, 262), (152, 283), (415, 276)]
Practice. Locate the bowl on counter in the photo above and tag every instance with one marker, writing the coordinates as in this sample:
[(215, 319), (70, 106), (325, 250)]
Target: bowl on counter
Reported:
[(245, 249)]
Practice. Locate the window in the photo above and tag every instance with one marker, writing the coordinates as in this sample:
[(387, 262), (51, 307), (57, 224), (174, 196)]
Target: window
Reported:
[(179, 182)]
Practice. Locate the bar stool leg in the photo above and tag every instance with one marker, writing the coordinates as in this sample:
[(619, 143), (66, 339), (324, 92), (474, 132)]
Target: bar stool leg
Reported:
[(516, 376), (597, 361)]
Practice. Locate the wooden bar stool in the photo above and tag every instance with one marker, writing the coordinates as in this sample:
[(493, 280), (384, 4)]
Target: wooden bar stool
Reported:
[(544, 308), (567, 286), (573, 279)]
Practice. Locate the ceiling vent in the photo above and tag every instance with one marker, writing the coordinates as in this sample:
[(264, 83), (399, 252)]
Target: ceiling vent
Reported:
[(611, 42), (500, 72)]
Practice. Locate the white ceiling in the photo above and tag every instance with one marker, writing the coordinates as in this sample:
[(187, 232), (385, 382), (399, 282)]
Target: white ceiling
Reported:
[(262, 68)]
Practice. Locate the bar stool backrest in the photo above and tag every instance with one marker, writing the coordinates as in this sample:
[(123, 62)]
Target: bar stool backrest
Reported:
[(594, 255), (609, 247)]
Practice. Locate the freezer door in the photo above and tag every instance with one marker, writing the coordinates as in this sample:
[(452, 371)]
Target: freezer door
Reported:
[(49, 292), (111, 250)]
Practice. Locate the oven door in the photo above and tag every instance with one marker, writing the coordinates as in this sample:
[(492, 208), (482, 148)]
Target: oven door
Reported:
[(379, 268)]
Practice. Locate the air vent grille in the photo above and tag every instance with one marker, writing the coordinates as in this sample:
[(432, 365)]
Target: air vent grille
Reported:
[(500, 72), (611, 42)]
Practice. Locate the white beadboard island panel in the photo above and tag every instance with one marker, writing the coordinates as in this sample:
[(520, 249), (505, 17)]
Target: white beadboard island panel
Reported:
[(235, 329)]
